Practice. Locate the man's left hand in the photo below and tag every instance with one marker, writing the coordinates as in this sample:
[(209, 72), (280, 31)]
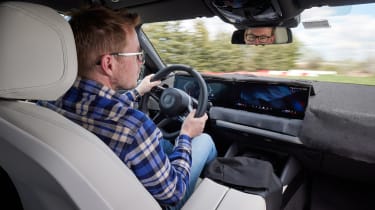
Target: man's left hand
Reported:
[(146, 85)]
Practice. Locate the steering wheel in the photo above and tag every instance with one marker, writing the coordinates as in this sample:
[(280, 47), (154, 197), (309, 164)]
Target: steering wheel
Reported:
[(175, 103)]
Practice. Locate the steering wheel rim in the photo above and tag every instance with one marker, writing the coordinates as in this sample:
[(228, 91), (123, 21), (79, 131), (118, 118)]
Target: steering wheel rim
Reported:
[(203, 93)]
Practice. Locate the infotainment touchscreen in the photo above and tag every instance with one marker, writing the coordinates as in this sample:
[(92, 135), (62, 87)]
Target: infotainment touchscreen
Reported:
[(276, 99)]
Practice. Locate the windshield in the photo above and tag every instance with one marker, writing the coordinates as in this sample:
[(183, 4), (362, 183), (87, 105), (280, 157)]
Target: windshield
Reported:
[(334, 44)]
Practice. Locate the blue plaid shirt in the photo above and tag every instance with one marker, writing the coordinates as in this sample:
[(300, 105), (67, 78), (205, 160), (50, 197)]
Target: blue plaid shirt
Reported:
[(131, 134)]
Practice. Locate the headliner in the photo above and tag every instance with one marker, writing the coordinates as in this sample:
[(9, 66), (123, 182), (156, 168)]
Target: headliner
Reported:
[(164, 10)]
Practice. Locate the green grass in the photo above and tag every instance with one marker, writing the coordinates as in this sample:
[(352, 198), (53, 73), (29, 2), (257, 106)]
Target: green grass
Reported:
[(369, 80)]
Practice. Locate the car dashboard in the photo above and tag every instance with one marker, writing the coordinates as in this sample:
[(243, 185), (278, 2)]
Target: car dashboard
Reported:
[(276, 118), (276, 99), (267, 108)]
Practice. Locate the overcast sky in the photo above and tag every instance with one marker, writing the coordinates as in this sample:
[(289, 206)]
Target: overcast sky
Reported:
[(351, 36)]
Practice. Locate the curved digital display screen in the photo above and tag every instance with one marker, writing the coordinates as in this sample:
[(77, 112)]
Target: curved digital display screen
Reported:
[(277, 99), (274, 99)]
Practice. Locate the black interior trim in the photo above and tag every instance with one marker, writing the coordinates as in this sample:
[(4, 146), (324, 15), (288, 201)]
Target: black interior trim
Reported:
[(289, 127), (257, 131)]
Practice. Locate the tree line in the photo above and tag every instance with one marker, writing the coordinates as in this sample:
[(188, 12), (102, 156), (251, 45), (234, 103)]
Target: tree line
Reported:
[(195, 47)]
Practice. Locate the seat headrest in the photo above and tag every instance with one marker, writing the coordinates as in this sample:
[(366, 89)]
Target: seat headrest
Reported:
[(38, 54)]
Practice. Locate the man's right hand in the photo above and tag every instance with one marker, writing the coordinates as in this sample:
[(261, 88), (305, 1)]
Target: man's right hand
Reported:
[(193, 126)]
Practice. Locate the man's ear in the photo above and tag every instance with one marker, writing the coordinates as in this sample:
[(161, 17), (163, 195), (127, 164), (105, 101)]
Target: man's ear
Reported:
[(107, 65)]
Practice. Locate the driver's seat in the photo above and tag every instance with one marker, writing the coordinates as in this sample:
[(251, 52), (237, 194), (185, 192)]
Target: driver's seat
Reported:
[(52, 162)]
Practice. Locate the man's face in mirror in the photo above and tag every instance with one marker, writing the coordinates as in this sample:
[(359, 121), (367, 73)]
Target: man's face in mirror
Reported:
[(259, 36)]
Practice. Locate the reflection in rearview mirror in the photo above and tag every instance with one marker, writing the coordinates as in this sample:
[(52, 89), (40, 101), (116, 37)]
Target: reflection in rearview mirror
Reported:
[(262, 36)]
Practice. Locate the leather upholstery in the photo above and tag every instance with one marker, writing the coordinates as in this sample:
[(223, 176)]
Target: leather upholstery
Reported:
[(213, 196), (53, 163), (38, 57)]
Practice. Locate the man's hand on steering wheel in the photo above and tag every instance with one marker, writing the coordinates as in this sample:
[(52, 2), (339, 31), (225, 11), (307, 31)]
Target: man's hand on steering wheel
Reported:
[(193, 126), (146, 85)]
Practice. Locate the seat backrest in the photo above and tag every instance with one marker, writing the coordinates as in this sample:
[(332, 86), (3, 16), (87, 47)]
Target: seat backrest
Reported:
[(53, 162)]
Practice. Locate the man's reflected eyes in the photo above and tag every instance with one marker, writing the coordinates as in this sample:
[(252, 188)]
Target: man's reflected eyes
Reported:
[(261, 38)]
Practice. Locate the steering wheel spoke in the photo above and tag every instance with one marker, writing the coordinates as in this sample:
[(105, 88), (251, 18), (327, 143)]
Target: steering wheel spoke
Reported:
[(155, 97), (156, 118), (194, 103), (156, 92)]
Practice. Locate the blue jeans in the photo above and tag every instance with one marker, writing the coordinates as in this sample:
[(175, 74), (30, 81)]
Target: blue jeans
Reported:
[(203, 152)]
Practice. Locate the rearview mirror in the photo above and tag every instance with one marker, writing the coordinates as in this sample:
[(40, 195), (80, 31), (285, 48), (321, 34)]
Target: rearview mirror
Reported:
[(262, 36)]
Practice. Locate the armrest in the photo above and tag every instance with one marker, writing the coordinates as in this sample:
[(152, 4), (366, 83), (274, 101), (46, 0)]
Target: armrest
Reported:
[(207, 196), (213, 196)]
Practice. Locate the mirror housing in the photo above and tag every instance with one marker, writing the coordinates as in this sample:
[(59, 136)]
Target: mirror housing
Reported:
[(262, 36)]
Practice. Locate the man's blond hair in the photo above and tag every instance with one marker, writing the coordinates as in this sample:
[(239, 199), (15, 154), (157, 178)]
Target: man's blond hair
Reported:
[(99, 31)]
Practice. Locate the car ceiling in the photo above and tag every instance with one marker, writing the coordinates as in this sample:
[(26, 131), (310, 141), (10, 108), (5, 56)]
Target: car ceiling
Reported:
[(164, 10)]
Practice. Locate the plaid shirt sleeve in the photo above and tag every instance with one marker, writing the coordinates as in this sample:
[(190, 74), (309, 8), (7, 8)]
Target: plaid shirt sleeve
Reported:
[(130, 97), (165, 178)]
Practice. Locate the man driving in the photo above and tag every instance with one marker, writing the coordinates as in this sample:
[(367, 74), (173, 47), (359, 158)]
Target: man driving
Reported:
[(110, 59)]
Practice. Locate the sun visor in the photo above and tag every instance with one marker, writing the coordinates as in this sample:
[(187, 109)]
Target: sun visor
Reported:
[(249, 13)]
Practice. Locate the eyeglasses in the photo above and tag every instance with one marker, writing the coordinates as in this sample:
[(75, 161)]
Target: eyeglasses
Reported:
[(261, 38), (140, 56)]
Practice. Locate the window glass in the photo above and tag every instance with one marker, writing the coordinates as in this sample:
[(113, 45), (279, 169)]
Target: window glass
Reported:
[(341, 52)]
